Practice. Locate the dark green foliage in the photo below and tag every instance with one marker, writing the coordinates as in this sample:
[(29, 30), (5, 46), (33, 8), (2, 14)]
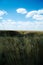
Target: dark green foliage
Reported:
[(21, 49)]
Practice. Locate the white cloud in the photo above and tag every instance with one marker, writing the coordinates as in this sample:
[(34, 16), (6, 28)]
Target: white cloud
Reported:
[(2, 12), (36, 14), (38, 17), (21, 10), (1, 17), (36, 24), (40, 11), (21, 25), (31, 13)]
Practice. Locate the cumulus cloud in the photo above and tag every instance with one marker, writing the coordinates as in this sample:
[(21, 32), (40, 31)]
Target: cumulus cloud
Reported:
[(36, 14), (38, 17), (21, 25), (21, 10), (40, 11), (36, 24), (31, 13)]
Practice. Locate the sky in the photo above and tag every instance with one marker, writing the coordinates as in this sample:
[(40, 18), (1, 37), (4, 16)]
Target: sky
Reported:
[(21, 15)]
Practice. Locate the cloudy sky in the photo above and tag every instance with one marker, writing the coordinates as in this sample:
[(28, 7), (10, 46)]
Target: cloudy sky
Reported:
[(21, 15)]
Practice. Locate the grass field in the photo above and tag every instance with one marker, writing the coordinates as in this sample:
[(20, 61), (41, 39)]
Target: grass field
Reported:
[(21, 47)]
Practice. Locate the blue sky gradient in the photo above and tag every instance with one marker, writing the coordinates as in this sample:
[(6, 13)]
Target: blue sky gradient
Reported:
[(11, 6)]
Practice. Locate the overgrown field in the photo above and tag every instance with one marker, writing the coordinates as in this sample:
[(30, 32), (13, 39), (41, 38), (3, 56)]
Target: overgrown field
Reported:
[(21, 49)]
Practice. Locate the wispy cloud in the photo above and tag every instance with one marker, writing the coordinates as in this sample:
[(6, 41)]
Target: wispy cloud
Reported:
[(1, 17), (21, 25), (2, 12), (21, 10)]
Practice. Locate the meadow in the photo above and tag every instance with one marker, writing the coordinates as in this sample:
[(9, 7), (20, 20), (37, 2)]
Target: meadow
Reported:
[(21, 48)]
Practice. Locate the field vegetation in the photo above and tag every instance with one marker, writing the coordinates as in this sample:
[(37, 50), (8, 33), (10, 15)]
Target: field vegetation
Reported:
[(21, 48)]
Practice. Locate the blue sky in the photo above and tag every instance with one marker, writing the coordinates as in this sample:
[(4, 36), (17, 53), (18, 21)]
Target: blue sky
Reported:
[(21, 15)]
